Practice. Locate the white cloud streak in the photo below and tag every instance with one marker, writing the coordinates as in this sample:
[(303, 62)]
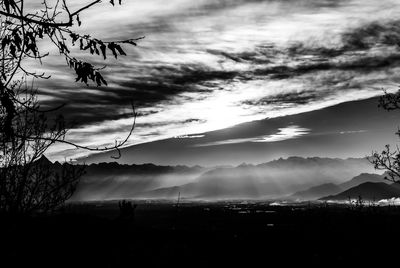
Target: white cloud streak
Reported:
[(286, 133)]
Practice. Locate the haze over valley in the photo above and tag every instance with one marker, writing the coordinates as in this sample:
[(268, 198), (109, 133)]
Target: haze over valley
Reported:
[(278, 179)]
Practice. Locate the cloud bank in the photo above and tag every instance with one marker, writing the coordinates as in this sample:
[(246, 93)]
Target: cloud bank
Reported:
[(208, 65)]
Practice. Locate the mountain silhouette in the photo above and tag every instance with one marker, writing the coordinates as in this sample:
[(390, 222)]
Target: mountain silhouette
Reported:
[(43, 160), (271, 180), (362, 178), (328, 189), (368, 191)]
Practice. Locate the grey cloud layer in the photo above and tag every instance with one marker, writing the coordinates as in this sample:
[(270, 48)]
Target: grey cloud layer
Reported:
[(160, 83), (193, 53)]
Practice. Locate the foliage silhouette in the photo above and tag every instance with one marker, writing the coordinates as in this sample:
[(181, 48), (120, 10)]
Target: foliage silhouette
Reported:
[(27, 184), (389, 159)]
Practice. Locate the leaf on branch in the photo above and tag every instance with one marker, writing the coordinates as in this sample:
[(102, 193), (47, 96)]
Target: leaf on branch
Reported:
[(99, 79), (78, 20), (17, 39), (116, 48), (103, 49), (13, 50), (40, 33), (5, 42), (74, 38), (30, 43), (111, 46), (85, 72), (121, 52), (96, 49), (88, 45)]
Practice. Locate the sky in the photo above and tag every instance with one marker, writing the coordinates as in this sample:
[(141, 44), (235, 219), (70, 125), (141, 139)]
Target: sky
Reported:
[(350, 129), (210, 67)]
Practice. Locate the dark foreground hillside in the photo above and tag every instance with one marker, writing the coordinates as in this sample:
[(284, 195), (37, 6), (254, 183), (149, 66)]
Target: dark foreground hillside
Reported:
[(203, 235)]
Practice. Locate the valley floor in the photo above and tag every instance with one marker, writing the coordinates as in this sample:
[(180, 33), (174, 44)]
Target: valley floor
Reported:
[(220, 234)]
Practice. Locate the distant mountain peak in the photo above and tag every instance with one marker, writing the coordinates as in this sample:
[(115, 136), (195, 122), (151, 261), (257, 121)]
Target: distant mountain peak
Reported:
[(244, 164), (274, 179), (44, 160)]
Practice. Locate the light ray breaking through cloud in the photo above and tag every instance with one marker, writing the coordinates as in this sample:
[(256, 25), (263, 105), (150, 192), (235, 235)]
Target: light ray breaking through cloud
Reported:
[(208, 65)]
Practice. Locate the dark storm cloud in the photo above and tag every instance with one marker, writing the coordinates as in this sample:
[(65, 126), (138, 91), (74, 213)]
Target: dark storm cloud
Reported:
[(88, 106)]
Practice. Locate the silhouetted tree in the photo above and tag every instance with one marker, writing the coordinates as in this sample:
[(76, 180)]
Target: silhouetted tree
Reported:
[(389, 159), (20, 33), (26, 183)]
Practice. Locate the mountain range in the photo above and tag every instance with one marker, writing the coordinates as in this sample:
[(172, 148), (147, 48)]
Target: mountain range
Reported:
[(308, 178), (265, 181)]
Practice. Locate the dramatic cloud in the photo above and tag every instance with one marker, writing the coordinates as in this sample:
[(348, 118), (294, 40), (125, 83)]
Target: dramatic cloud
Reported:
[(287, 133), (208, 65)]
